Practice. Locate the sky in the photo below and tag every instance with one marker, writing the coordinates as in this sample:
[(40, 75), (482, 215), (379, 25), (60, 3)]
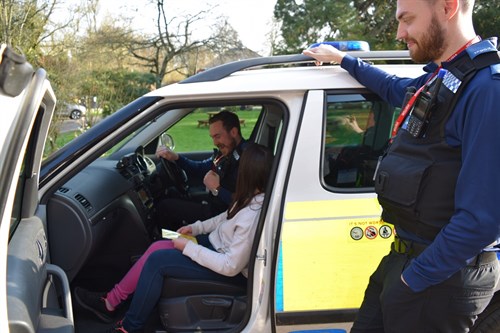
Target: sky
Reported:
[(250, 18)]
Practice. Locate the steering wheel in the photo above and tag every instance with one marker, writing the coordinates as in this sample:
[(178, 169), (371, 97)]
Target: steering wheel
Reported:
[(176, 175)]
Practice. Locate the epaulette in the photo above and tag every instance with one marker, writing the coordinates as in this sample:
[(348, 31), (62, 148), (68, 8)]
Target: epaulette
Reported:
[(495, 70), (461, 72)]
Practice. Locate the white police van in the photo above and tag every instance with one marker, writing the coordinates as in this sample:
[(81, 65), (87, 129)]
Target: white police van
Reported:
[(80, 216)]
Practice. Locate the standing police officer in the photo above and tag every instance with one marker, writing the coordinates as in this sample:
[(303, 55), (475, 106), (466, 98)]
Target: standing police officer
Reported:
[(438, 182)]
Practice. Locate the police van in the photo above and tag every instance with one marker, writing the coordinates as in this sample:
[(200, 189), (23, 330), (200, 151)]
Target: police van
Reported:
[(82, 215)]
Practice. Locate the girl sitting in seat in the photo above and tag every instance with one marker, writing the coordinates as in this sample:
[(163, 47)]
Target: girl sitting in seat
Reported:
[(222, 252)]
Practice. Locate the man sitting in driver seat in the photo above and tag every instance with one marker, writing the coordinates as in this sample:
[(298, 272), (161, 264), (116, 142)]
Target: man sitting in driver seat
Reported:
[(218, 172)]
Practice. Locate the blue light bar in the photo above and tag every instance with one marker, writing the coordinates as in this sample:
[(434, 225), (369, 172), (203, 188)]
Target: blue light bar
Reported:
[(349, 45)]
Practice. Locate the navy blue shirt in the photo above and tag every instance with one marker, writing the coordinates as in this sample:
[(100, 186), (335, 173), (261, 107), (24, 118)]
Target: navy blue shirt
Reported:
[(474, 125), (199, 169)]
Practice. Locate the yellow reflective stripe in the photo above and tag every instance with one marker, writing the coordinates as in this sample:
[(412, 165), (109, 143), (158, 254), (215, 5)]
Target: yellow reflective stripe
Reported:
[(331, 208), (323, 266)]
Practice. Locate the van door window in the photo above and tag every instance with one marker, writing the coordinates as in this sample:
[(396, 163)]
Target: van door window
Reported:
[(357, 129), (191, 133)]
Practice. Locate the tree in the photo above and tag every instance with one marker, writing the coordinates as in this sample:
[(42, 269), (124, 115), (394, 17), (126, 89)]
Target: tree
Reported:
[(25, 25), (376, 23), (225, 38), (487, 18), (223, 46), (309, 21), (106, 70), (174, 38), (116, 88)]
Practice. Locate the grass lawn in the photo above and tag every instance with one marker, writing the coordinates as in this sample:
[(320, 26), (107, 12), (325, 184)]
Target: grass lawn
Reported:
[(62, 139), (188, 136)]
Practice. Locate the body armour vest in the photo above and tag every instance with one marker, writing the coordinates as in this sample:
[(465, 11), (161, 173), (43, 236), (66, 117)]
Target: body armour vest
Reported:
[(416, 178)]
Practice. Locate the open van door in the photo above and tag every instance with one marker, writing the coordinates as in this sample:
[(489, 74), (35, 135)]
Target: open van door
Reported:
[(36, 295)]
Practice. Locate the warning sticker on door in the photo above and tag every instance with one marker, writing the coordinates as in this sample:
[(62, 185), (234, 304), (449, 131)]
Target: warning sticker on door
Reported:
[(385, 231), (371, 232), (356, 233)]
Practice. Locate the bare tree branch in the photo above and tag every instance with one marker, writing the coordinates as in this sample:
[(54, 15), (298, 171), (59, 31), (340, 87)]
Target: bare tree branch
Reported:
[(174, 38)]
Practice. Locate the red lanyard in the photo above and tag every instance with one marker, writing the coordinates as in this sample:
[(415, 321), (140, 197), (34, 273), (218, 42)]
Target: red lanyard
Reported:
[(411, 102), (216, 162)]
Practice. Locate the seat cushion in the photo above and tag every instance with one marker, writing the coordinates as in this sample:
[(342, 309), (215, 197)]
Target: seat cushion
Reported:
[(173, 287)]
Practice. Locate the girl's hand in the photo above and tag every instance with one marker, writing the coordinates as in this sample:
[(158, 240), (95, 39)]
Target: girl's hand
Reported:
[(180, 243), (186, 230)]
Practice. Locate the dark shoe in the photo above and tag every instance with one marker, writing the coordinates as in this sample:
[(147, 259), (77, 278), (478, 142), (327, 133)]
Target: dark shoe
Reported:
[(118, 328), (94, 302)]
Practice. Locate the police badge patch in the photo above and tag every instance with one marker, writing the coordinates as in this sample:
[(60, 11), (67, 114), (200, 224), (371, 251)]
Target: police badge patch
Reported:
[(451, 82)]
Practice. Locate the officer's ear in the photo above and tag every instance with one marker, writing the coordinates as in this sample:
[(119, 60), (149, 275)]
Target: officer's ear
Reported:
[(451, 8), (233, 132)]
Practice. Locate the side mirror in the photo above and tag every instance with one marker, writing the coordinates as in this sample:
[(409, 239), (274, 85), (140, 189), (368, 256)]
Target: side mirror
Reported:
[(167, 141)]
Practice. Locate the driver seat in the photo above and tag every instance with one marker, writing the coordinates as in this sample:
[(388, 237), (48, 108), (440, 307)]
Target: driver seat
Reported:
[(201, 305)]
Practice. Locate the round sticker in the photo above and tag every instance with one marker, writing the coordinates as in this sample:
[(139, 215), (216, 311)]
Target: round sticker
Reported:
[(356, 233), (371, 232), (385, 231)]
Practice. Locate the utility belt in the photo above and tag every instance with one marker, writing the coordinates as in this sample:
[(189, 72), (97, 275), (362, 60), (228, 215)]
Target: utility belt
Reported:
[(413, 249), (410, 248)]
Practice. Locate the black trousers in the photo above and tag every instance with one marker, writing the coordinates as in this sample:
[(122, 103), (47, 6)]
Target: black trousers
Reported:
[(451, 306), (173, 213)]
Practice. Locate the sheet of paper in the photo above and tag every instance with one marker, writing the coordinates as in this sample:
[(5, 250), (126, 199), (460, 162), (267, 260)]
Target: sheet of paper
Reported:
[(170, 234)]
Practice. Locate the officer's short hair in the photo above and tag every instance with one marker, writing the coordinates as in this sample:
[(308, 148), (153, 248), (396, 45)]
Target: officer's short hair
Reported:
[(466, 4), (229, 120)]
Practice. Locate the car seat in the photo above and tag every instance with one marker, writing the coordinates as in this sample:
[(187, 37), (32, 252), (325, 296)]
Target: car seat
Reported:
[(201, 305)]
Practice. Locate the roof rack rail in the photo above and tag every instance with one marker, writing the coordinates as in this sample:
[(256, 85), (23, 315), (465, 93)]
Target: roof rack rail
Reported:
[(222, 71)]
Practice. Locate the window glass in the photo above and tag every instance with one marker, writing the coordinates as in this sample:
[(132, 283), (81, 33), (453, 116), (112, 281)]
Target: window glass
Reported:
[(16, 211), (191, 134), (62, 131), (357, 130), (25, 172)]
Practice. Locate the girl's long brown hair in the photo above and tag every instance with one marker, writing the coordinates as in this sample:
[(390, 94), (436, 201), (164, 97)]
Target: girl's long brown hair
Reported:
[(253, 174)]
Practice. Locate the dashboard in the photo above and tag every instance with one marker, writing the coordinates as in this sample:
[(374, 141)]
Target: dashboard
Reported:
[(109, 202), (138, 169)]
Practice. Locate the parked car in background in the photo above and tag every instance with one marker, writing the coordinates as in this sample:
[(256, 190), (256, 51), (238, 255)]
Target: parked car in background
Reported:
[(73, 111)]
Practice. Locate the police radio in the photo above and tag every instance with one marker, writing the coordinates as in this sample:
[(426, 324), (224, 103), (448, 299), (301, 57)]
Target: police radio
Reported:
[(420, 114)]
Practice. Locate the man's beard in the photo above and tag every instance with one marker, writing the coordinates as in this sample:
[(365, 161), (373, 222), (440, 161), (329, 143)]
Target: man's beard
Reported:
[(228, 148), (432, 44)]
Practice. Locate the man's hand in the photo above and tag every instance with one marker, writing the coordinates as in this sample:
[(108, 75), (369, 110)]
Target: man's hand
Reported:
[(180, 243), (211, 180), (325, 53), (166, 153), (353, 124)]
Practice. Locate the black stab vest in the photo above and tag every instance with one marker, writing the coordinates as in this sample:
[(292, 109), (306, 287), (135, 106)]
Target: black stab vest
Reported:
[(416, 179)]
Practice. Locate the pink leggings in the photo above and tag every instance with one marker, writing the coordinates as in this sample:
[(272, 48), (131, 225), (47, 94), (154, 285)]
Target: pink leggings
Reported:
[(127, 285)]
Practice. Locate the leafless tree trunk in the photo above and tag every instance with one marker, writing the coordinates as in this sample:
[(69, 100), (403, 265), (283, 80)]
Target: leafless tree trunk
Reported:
[(174, 39)]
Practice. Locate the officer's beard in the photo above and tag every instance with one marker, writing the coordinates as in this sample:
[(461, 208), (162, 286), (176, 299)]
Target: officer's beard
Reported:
[(431, 45), (228, 149)]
